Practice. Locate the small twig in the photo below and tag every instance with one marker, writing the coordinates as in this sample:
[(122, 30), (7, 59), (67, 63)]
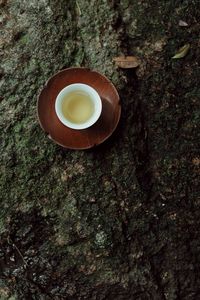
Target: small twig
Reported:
[(19, 252)]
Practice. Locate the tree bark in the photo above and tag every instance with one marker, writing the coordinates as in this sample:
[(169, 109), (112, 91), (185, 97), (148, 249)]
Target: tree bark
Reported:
[(120, 221)]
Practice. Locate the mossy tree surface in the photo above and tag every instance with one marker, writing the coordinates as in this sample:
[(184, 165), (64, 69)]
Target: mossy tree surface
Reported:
[(119, 221)]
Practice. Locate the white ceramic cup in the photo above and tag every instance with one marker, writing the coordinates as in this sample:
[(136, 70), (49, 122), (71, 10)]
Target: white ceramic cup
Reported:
[(94, 96)]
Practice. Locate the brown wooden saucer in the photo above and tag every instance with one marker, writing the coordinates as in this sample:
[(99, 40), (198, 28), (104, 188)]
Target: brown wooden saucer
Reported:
[(85, 138)]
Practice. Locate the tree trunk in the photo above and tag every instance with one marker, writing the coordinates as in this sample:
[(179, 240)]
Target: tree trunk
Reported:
[(119, 221)]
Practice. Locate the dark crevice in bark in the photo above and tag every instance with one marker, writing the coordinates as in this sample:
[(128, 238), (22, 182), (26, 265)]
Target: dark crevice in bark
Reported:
[(138, 135)]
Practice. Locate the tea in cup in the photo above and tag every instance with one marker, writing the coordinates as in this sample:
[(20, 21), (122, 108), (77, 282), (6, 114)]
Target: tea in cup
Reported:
[(78, 106)]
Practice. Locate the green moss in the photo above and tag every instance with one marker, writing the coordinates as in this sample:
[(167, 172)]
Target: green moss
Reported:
[(24, 39)]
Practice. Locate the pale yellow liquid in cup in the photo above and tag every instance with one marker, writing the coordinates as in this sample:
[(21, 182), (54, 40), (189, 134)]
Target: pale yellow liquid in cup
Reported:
[(77, 107)]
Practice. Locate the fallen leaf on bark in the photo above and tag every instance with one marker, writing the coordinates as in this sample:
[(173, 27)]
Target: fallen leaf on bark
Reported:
[(182, 23), (182, 52), (126, 62)]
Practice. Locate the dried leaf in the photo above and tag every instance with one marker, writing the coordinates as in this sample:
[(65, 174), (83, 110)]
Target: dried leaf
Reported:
[(127, 62), (182, 52), (182, 23)]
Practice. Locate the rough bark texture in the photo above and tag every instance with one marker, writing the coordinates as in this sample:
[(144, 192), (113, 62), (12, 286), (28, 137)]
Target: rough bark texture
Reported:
[(120, 221)]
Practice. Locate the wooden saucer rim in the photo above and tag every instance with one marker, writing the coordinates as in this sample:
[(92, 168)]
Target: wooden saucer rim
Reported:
[(46, 86)]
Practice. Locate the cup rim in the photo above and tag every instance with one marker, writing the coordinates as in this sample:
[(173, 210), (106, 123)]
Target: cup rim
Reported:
[(95, 98)]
